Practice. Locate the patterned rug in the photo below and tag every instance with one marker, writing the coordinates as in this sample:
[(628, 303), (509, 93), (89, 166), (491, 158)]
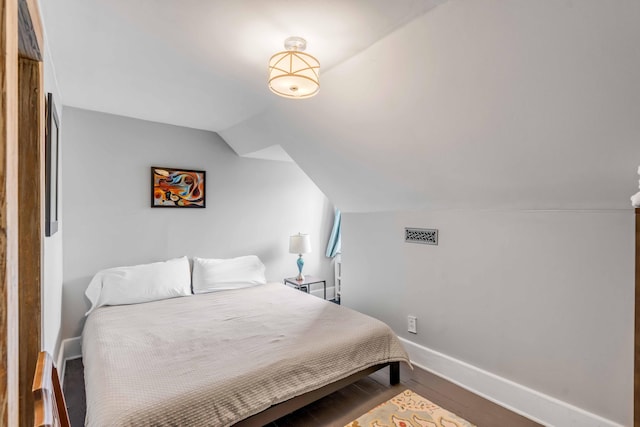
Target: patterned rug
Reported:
[(409, 409)]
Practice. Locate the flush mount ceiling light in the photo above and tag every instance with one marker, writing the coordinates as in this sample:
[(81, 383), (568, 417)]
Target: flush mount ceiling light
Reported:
[(293, 73)]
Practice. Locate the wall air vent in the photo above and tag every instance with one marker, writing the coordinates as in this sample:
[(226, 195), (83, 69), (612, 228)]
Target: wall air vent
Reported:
[(426, 236)]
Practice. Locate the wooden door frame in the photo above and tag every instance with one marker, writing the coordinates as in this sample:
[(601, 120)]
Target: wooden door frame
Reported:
[(9, 395), (21, 212), (30, 230), (31, 126)]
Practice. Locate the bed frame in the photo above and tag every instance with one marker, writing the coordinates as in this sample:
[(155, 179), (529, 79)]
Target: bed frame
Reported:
[(280, 410)]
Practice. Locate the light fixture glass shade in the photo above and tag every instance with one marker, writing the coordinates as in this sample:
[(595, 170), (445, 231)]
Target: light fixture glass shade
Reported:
[(293, 73), (299, 244)]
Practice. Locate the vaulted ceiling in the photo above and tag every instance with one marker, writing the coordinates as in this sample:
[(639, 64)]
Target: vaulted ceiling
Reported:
[(200, 63), (471, 104)]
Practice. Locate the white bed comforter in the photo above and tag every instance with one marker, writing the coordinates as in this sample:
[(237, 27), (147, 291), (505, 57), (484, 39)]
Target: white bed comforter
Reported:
[(215, 359)]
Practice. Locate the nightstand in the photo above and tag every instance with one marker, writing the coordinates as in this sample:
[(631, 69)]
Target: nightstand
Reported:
[(306, 283)]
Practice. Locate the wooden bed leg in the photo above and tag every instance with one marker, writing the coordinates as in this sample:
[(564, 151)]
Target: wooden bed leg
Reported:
[(394, 373)]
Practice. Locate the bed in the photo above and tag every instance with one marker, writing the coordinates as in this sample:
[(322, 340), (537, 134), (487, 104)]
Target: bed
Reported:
[(236, 357)]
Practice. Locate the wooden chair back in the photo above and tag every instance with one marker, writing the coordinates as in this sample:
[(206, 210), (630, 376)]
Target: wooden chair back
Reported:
[(50, 408)]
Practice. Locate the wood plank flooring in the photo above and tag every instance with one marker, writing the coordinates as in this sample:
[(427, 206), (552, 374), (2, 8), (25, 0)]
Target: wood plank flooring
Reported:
[(347, 404)]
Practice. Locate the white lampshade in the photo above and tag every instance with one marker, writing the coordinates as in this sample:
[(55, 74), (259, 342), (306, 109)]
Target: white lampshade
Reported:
[(299, 244), (293, 73)]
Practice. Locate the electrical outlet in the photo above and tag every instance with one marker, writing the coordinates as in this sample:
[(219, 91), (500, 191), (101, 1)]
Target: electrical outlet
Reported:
[(412, 324)]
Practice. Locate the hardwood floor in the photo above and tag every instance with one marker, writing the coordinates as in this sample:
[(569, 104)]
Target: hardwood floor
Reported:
[(347, 404), (73, 390)]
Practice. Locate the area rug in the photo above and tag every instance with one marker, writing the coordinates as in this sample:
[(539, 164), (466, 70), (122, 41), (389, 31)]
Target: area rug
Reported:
[(409, 409)]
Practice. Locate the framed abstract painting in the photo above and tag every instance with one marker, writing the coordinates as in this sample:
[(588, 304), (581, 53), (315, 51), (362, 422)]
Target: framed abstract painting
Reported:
[(177, 188)]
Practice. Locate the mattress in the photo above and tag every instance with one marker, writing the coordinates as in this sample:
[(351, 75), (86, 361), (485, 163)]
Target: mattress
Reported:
[(215, 359)]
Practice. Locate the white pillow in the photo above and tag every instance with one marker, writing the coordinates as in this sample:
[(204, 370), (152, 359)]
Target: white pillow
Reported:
[(140, 283), (210, 275)]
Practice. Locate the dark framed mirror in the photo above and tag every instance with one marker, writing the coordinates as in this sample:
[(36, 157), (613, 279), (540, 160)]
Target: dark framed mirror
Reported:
[(52, 134)]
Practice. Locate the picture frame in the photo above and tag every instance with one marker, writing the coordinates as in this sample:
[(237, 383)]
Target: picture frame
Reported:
[(52, 136), (177, 188)]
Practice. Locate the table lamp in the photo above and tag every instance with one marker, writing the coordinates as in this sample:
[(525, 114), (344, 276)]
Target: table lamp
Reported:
[(300, 244)]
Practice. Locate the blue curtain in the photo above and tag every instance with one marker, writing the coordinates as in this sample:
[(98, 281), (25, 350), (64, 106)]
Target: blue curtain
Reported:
[(335, 244)]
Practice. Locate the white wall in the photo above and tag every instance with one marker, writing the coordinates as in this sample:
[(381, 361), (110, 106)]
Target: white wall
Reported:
[(252, 205), (544, 299), (52, 259)]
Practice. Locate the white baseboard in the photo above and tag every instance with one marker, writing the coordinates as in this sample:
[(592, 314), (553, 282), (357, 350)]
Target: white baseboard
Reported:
[(71, 348), (532, 404)]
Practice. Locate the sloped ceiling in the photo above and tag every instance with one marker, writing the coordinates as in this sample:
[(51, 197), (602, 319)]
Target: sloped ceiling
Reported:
[(476, 104), (473, 104), (200, 63)]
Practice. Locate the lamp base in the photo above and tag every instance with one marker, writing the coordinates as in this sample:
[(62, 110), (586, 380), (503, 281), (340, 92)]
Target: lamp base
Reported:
[(300, 263)]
